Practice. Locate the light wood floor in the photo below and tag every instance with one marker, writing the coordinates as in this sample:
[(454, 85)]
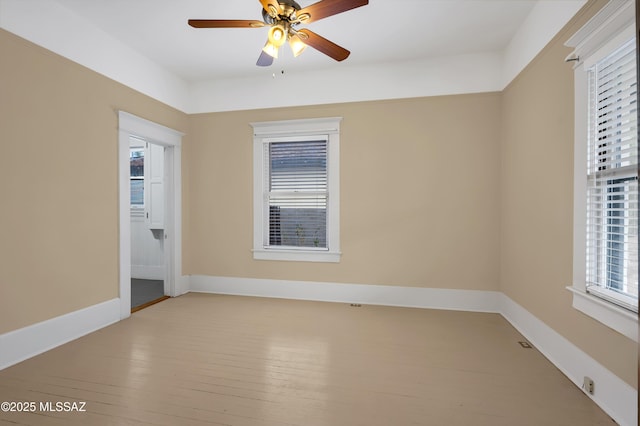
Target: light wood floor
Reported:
[(224, 360)]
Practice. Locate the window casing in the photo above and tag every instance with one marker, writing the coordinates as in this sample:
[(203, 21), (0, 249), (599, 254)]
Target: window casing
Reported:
[(605, 259), (296, 190)]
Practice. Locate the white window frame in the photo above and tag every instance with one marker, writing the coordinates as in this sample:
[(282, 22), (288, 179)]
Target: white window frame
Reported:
[(605, 32), (273, 131)]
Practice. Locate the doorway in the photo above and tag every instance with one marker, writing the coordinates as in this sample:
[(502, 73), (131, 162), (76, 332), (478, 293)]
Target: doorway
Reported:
[(156, 214), (147, 194)]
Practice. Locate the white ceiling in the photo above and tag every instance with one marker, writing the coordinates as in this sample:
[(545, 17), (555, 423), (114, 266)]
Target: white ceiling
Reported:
[(383, 31), (389, 35)]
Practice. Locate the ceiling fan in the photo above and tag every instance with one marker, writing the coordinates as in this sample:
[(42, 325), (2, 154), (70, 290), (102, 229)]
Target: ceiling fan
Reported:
[(284, 16)]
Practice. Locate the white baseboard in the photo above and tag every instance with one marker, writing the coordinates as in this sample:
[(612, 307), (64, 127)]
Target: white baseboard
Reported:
[(146, 272), (412, 297), (613, 395), (617, 398), (24, 343)]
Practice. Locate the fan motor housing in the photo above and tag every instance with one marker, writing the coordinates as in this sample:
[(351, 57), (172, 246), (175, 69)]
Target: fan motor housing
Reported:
[(289, 7)]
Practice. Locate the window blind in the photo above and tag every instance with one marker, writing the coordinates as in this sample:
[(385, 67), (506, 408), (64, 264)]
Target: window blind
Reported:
[(612, 179), (297, 195)]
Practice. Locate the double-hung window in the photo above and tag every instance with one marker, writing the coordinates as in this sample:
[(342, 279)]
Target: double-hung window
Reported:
[(136, 161), (612, 178), (136, 176), (605, 283), (296, 190)]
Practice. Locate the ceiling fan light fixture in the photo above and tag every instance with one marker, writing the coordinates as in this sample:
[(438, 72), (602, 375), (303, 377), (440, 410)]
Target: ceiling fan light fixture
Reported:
[(296, 44), (271, 50), (283, 17), (277, 35)]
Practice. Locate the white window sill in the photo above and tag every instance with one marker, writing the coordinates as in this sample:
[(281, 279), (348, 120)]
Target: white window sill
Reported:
[(297, 255), (621, 320)]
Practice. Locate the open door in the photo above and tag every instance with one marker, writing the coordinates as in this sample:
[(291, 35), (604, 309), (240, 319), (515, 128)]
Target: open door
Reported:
[(148, 204)]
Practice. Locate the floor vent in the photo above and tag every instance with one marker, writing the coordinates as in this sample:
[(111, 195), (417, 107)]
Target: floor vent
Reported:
[(355, 305), (525, 345)]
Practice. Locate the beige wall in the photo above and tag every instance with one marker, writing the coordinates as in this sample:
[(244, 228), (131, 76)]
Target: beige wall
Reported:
[(455, 192), (419, 194), (537, 204), (59, 182)]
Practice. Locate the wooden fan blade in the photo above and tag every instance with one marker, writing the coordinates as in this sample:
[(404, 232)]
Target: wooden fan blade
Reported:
[(264, 60), (272, 7), (325, 46), (225, 23), (325, 8)]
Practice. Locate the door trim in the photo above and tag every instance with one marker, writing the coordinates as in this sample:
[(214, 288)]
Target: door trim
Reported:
[(131, 125)]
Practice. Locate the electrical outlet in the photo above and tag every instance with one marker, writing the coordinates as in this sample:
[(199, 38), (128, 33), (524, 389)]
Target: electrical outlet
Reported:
[(588, 385)]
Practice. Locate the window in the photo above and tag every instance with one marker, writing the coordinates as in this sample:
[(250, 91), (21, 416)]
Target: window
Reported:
[(605, 275), (296, 193), (146, 176), (296, 190), (612, 178), (136, 164)]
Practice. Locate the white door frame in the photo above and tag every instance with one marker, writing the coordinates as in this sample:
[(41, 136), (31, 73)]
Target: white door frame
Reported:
[(131, 125)]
